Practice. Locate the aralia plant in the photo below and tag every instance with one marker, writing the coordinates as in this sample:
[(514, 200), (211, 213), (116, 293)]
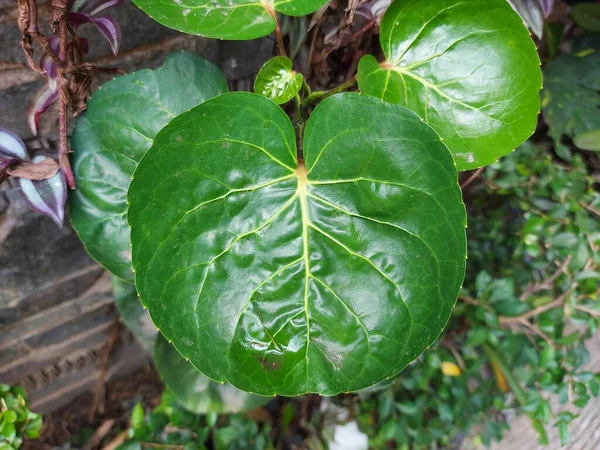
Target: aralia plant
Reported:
[(320, 251)]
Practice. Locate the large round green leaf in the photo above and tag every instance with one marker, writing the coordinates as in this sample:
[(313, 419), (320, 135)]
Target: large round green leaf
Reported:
[(466, 67), (225, 19), (283, 279), (196, 392), (110, 138)]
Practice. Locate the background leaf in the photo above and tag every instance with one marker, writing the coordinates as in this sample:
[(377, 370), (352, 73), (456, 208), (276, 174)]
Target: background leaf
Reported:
[(133, 314), (468, 68), (196, 392), (570, 99), (114, 133), (225, 19), (280, 280)]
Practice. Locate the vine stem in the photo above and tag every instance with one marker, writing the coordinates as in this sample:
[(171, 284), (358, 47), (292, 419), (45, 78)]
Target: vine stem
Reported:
[(63, 149)]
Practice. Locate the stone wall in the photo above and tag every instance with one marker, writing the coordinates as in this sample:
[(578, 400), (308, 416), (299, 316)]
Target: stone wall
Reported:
[(57, 319)]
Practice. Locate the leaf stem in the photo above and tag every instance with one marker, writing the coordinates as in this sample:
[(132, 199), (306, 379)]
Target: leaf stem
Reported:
[(319, 96), (306, 87)]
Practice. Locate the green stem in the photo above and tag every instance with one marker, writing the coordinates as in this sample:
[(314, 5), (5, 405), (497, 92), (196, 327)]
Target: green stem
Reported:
[(299, 126), (516, 388), (319, 96), (306, 87)]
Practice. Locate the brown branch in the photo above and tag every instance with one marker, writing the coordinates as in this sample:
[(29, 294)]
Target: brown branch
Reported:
[(63, 148), (548, 282), (472, 178), (279, 40), (587, 310)]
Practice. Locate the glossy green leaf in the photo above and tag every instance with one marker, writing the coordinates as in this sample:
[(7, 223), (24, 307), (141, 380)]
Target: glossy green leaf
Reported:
[(196, 392), (570, 99), (278, 81), (133, 314), (225, 19), (121, 121), (468, 68), (283, 279)]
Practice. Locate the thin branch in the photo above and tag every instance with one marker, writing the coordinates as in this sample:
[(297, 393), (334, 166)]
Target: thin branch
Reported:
[(279, 39), (472, 177), (548, 283), (587, 310), (63, 149)]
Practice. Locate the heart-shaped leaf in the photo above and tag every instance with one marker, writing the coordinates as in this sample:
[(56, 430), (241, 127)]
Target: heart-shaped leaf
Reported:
[(196, 392), (110, 138), (283, 277), (466, 67), (225, 19), (278, 81)]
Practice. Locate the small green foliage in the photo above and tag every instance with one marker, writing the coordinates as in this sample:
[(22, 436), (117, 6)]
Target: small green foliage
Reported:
[(17, 421), (171, 424), (530, 295), (570, 99), (278, 81)]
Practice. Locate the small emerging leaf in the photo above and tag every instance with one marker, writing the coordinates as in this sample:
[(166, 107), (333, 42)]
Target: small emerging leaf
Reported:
[(278, 81), (47, 197)]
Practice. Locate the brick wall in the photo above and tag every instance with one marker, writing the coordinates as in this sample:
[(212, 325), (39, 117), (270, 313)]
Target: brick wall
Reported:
[(56, 307)]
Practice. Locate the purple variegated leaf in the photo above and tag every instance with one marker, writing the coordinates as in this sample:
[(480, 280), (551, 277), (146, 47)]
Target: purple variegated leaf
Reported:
[(11, 146), (94, 7), (48, 196), (46, 62), (378, 7), (106, 25), (533, 13), (46, 98)]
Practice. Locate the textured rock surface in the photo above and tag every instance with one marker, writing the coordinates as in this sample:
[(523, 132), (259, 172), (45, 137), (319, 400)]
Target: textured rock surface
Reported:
[(57, 318)]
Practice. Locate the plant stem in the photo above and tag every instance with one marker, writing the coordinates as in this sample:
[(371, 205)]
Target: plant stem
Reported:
[(306, 87), (515, 387), (63, 149), (319, 96), (299, 127), (279, 39)]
